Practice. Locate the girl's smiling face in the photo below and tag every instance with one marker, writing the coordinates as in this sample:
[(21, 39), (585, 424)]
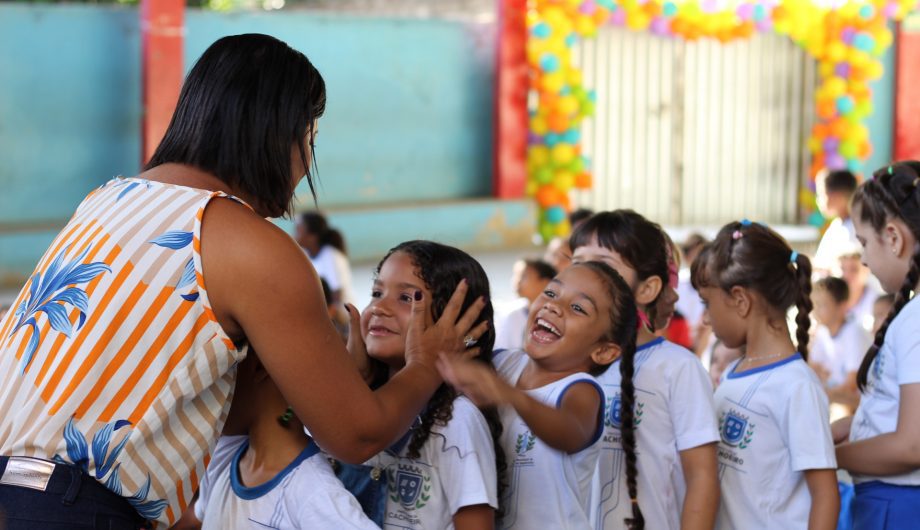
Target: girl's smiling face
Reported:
[(385, 320), (569, 322)]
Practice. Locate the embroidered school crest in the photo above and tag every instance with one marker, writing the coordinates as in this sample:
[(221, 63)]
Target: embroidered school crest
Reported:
[(525, 442), (735, 429), (614, 416), (410, 487)]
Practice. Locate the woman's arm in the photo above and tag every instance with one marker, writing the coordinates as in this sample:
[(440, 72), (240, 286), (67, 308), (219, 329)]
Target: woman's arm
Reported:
[(263, 289), (476, 517), (569, 428), (701, 474), (825, 499), (893, 453)]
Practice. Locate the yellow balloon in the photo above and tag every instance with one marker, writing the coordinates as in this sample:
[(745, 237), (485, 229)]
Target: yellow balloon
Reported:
[(836, 51), (835, 86), (553, 83), (538, 155), (563, 153), (565, 180), (531, 188), (538, 125)]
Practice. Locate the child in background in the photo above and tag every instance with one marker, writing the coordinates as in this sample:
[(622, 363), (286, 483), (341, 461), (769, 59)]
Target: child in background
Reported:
[(834, 191), (776, 455), (670, 323), (839, 345), (880, 310), (530, 278), (552, 407), (273, 477), (678, 486), (689, 303), (720, 358), (878, 446), (443, 473), (863, 288)]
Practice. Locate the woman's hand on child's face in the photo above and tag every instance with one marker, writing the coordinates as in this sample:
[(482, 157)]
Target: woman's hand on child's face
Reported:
[(474, 380), (426, 340), (356, 346), (840, 429)]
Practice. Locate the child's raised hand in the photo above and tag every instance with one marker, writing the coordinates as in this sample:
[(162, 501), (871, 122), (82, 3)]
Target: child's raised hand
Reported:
[(356, 346), (474, 380), (426, 340)]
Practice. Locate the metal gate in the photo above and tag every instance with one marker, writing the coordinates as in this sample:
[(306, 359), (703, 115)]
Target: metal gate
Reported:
[(697, 133)]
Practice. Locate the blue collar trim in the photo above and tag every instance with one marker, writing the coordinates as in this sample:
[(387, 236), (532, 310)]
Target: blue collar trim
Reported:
[(764, 368), (255, 492)]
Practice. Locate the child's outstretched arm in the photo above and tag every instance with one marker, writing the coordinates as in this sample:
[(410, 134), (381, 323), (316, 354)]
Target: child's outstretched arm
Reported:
[(893, 453), (701, 473), (825, 499), (569, 428)]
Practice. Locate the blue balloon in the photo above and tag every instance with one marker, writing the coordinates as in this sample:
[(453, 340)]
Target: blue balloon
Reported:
[(816, 219), (572, 136), (552, 139), (845, 105), (571, 39), (669, 9), (864, 42), (866, 12), (541, 30), (760, 12), (549, 63), (555, 215)]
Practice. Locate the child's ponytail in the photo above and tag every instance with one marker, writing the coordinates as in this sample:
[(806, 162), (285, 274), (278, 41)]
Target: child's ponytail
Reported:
[(892, 193), (802, 269), (628, 434)]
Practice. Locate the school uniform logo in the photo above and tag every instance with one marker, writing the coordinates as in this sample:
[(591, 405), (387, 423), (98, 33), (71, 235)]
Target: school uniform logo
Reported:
[(614, 415), (736, 429), (525, 442), (410, 487)]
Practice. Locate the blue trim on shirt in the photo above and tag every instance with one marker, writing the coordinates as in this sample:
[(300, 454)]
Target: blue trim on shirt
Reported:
[(600, 413), (249, 494), (654, 342), (735, 375)]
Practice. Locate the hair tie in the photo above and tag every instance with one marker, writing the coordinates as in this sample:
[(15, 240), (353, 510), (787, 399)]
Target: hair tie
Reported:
[(794, 257), (890, 170), (736, 235), (745, 222)]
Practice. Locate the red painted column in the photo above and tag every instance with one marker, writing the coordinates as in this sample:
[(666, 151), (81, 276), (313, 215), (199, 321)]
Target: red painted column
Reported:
[(162, 35), (907, 83), (511, 119)]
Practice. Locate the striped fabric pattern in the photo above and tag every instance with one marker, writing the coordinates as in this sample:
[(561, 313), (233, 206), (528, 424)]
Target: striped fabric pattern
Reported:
[(111, 358)]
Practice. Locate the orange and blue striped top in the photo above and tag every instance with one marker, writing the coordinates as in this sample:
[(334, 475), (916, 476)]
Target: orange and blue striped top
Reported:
[(111, 357)]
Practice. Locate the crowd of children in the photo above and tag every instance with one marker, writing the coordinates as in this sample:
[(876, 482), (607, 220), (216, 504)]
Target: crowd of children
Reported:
[(578, 412)]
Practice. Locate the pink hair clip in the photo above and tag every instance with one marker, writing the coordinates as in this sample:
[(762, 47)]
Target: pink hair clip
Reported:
[(736, 235)]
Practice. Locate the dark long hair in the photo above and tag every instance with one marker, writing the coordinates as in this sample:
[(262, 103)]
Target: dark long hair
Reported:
[(891, 194), (316, 223), (441, 268), (624, 321), (244, 105), (637, 240), (755, 257)]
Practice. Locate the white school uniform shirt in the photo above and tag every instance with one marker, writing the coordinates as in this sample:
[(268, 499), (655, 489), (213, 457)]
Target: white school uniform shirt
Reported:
[(331, 265), (839, 238), (547, 488), (839, 354), (455, 468), (305, 495), (897, 363), (674, 412), (510, 327), (773, 422)]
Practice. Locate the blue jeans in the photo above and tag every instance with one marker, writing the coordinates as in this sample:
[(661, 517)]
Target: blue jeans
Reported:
[(72, 500)]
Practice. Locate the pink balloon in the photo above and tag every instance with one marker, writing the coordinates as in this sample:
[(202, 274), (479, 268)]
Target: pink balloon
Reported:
[(660, 26), (618, 17), (745, 11), (587, 7)]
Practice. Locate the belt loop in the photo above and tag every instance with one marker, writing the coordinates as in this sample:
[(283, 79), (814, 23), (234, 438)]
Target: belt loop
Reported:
[(76, 477)]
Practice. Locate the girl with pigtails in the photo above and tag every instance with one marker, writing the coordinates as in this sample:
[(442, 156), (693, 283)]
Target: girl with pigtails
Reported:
[(880, 445), (776, 456), (550, 403), (659, 413)]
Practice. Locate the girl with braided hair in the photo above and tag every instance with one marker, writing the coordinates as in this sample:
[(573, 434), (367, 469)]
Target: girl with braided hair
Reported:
[(675, 428), (443, 473), (880, 445), (776, 456), (551, 404)]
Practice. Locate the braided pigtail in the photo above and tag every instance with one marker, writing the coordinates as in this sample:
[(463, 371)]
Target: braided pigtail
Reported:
[(802, 269), (628, 433)]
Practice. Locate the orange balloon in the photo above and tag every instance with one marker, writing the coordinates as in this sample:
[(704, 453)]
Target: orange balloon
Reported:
[(583, 180), (839, 128), (557, 122), (548, 196), (820, 130), (827, 109)]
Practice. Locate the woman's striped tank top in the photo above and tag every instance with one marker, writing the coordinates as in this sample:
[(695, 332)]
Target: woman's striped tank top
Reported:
[(111, 358)]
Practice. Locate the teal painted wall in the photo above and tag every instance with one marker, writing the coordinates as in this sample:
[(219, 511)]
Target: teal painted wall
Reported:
[(881, 122)]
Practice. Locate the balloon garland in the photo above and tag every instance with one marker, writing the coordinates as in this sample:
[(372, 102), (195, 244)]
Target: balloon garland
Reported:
[(846, 37)]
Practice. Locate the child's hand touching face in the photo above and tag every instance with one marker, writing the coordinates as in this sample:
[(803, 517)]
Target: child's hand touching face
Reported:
[(474, 380)]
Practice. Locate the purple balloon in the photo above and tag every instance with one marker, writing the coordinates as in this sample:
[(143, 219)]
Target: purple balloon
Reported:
[(533, 139), (842, 69), (847, 34), (660, 26), (745, 11), (835, 161), (831, 144)]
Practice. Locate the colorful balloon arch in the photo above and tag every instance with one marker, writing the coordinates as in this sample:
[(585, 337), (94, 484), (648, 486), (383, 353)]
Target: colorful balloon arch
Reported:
[(846, 37)]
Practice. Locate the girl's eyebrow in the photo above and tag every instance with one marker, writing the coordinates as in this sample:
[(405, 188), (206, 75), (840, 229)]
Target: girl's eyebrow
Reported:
[(578, 294)]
